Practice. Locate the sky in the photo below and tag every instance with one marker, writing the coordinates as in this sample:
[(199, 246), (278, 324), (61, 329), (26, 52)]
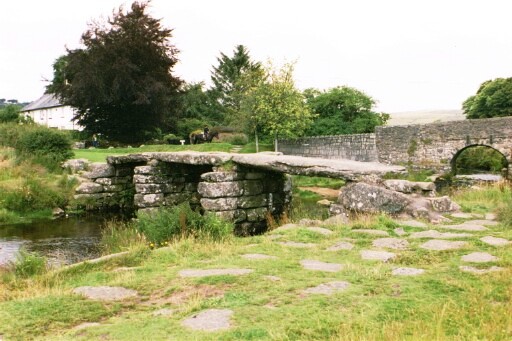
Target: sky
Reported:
[(408, 55)]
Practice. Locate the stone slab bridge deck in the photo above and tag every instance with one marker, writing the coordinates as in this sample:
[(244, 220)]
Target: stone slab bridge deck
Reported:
[(245, 188)]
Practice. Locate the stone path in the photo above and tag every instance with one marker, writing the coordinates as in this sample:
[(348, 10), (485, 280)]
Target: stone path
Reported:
[(298, 244), (320, 230), (377, 255), (479, 257), (407, 272), (341, 246), (210, 320), (310, 264), (474, 270), (442, 245), (413, 223), (105, 293), (391, 243), (466, 226), (495, 241), (434, 234), (85, 325), (213, 272), (328, 288)]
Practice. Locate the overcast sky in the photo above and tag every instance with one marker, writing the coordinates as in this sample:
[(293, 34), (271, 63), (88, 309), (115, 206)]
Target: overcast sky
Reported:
[(408, 55)]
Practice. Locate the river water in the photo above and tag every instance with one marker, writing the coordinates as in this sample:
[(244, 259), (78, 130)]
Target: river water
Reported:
[(61, 241)]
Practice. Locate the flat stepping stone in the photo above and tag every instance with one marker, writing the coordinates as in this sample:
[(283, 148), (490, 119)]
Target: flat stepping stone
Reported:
[(479, 257), (341, 246), (210, 320), (163, 312), (484, 222), (321, 230), (438, 235), (464, 215), (442, 245), (413, 223), (213, 272), (377, 255), (474, 270), (328, 288), (287, 227), (370, 231), (407, 272), (298, 244), (467, 226), (490, 216), (495, 241), (310, 264), (258, 256), (391, 243), (85, 325), (105, 293)]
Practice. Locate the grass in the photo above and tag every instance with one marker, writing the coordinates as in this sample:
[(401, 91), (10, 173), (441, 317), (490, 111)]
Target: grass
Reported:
[(442, 304)]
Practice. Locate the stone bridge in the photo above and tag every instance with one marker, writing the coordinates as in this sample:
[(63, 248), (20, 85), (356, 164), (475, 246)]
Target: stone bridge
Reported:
[(427, 146), (245, 188)]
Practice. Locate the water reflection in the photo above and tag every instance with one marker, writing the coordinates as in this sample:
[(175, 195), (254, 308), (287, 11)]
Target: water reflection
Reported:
[(62, 241)]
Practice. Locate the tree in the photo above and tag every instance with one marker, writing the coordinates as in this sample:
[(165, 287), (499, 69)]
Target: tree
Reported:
[(121, 82), (493, 99), (277, 106), (231, 81), (342, 110)]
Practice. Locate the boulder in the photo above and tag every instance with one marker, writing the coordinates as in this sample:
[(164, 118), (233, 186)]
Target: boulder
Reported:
[(76, 165), (100, 170), (365, 198), (405, 186), (89, 188), (444, 204)]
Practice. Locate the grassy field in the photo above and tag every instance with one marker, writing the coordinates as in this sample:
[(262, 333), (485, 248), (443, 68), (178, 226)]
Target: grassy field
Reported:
[(444, 303)]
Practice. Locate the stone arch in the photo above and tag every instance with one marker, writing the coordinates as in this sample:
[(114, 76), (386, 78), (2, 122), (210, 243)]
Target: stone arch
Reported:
[(504, 153)]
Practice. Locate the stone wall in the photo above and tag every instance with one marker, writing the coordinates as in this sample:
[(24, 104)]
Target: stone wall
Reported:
[(437, 145), (358, 147)]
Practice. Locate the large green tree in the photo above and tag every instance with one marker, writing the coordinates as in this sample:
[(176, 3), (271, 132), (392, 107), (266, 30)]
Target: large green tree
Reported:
[(342, 110), (276, 106), (121, 82), (231, 82), (493, 99)]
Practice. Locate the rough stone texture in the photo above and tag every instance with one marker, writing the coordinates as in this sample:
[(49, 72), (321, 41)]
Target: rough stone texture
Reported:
[(479, 257), (377, 255), (220, 189), (405, 186), (365, 198), (219, 204), (287, 227), (442, 245), (89, 188), (99, 170), (258, 256), (320, 230), (341, 246), (444, 204), (407, 272), (209, 320), (464, 215), (438, 235), (495, 241), (222, 176), (104, 293), (337, 220), (483, 222), (310, 264), (328, 288), (391, 243), (370, 231), (400, 231), (309, 222), (76, 165), (337, 209), (466, 226), (213, 272), (478, 271)]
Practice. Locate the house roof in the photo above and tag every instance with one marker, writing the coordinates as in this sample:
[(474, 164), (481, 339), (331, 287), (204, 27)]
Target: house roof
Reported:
[(44, 102)]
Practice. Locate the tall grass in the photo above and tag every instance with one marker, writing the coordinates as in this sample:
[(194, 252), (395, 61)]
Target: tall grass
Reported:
[(118, 236), (485, 199)]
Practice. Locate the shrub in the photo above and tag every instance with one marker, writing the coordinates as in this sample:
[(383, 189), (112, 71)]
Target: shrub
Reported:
[(32, 195), (237, 139), (44, 144), (28, 264), (10, 113), (181, 221)]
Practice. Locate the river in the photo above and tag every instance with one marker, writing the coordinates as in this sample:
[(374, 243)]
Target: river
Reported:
[(61, 241)]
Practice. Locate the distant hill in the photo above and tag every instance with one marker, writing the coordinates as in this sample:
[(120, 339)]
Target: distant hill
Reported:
[(425, 116)]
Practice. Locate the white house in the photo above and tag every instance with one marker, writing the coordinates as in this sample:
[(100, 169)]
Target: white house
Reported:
[(48, 111)]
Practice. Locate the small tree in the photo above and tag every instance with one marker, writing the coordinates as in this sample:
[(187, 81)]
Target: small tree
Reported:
[(493, 99), (277, 106)]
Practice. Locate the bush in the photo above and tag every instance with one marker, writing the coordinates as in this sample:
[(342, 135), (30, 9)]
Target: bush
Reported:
[(32, 195), (10, 113), (181, 221), (28, 264), (237, 139)]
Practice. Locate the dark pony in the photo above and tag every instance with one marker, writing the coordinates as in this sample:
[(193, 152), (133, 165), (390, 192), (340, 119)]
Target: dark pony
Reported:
[(199, 138)]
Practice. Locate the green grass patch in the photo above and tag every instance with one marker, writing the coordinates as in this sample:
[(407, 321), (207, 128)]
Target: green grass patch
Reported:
[(316, 181)]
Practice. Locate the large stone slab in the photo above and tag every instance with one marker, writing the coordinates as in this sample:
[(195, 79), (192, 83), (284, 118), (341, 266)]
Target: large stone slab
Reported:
[(442, 245), (366, 198), (479, 257), (377, 255), (328, 288), (105, 293), (210, 320), (391, 243), (438, 235), (407, 272), (494, 241), (310, 264), (213, 272)]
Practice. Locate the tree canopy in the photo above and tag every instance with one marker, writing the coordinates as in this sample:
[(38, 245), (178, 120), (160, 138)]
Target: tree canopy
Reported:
[(342, 110), (121, 82), (493, 99)]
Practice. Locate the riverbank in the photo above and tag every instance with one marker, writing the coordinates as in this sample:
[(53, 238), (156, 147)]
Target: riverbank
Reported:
[(309, 280)]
